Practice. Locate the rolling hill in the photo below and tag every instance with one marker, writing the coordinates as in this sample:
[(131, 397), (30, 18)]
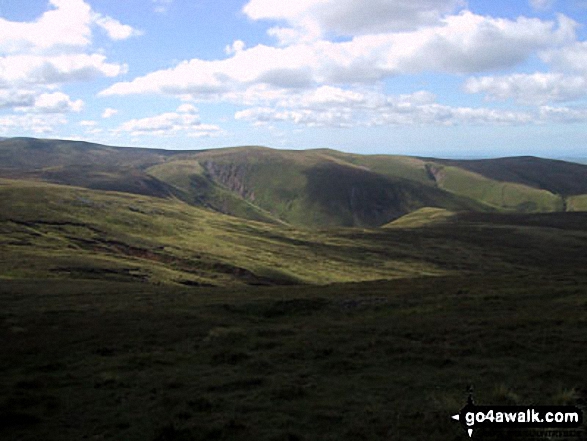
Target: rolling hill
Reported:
[(177, 295), (312, 188)]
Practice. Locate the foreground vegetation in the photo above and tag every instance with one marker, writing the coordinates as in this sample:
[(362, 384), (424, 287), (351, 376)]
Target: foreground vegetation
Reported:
[(369, 361)]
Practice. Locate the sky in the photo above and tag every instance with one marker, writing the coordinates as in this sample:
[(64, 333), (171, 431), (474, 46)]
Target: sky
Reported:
[(444, 78)]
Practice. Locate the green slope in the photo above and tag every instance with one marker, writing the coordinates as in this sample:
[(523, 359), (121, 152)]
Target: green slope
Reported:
[(500, 195), (318, 189), (53, 231), (577, 203), (559, 177), (36, 154), (423, 217), (311, 188), (187, 179), (50, 231)]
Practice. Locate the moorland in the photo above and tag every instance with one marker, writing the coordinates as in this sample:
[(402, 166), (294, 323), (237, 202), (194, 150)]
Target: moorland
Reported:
[(251, 293)]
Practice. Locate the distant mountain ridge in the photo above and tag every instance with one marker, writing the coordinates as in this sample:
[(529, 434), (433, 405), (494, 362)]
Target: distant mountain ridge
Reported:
[(309, 188)]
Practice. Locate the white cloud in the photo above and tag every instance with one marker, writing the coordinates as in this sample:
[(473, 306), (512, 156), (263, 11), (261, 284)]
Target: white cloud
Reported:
[(466, 43), (187, 108), (409, 114), (115, 29), (537, 88), (333, 107), (109, 112), (33, 102), (563, 114), (350, 17), (88, 123), (57, 102), (567, 80), (17, 70), (184, 120), (39, 56), (16, 98), (30, 122), (306, 117), (236, 46), (322, 83), (571, 57), (67, 25)]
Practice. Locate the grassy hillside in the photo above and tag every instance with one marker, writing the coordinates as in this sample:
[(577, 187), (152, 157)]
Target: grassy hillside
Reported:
[(313, 188), (577, 203), (61, 232), (423, 217), (104, 355), (53, 231), (558, 177), (34, 154), (190, 184), (499, 195)]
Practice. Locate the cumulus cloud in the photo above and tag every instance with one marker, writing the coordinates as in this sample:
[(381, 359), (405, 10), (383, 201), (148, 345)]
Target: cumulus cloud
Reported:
[(17, 70), (41, 55), (31, 122), (563, 114), (57, 102), (572, 57), (537, 88), (115, 29), (349, 17), (67, 25), (109, 112), (318, 82), (566, 81), (334, 107), (330, 106), (187, 108), (184, 120), (16, 98), (236, 46), (464, 43), (25, 101)]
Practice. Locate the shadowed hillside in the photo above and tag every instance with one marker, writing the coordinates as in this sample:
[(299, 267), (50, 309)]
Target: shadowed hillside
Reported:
[(558, 177), (312, 188)]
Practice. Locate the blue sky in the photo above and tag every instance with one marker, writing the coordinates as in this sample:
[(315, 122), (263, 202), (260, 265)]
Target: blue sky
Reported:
[(453, 78)]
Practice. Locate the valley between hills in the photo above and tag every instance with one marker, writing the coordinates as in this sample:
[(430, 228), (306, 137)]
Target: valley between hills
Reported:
[(253, 293)]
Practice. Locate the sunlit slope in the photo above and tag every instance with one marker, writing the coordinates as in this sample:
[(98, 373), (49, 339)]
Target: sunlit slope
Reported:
[(500, 195), (304, 188), (577, 203), (58, 231), (66, 232), (421, 218), (392, 166), (189, 183), (558, 177), (317, 188)]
